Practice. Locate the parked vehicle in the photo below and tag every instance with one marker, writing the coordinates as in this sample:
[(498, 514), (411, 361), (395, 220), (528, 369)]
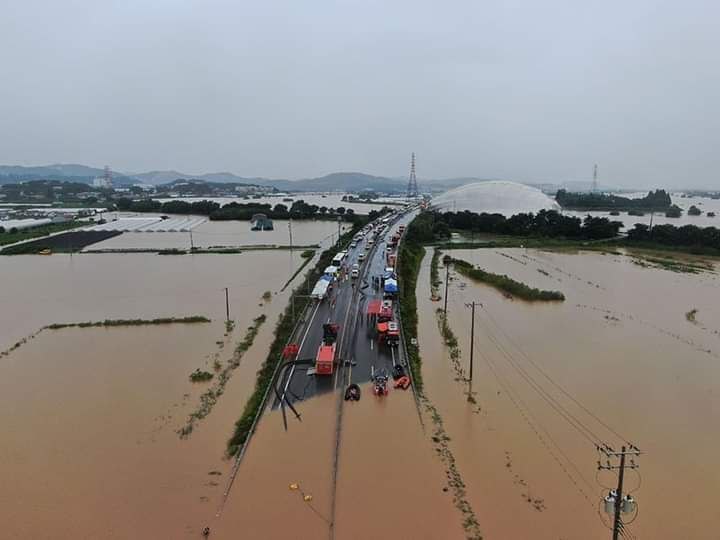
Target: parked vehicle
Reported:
[(325, 359), (380, 380)]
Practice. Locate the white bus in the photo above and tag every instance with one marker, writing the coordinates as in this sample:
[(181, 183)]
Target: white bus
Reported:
[(338, 259)]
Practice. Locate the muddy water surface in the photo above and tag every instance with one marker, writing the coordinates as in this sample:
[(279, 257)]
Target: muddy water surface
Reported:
[(391, 483), (620, 344), (261, 503), (90, 447), (38, 291), (226, 234)]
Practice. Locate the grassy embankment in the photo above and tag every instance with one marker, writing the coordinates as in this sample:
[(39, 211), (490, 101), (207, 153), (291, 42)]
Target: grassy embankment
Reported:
[(435, 281), (8, 237), (506, 284), (409, 258), (129, 322), (283, 332)]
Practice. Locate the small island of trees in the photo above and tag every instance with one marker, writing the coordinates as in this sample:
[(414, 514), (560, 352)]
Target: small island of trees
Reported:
[(654, 200)]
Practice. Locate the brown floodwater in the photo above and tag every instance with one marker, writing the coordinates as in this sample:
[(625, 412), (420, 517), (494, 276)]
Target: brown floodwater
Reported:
[(390, 484), (38, 291), (622, 346), (226, 234), (261, 503), (90, 448)]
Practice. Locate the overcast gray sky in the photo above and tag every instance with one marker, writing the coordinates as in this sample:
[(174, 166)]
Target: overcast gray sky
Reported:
[(519, 89)]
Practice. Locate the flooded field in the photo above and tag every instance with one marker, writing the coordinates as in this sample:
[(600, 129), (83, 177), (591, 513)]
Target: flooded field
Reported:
[(624, 346), (705, 204), (90, 416), (227, 234), (61, 288)]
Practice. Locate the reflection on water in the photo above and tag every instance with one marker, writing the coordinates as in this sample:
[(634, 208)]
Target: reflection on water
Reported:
[(622, 345)]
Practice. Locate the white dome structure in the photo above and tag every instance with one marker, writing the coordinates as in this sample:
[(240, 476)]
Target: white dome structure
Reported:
[(494, 197)]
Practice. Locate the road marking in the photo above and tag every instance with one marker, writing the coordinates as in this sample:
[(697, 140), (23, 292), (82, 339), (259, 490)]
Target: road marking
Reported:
[(371, 344), (302, 342)]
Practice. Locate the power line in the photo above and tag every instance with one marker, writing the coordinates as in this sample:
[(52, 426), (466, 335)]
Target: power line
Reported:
[(509, 391), (557, 385), (586, 432), (615, 502)]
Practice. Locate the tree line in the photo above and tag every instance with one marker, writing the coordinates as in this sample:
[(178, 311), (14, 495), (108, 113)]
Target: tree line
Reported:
[(670, 235), (433, 225), (238, 211)]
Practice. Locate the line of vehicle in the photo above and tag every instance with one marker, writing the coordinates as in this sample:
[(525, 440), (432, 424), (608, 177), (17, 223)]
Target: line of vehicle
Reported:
[(341, 401)]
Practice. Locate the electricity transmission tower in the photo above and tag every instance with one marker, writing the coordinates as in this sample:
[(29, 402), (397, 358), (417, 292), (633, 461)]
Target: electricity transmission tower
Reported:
[(412, 189), (594, 186)]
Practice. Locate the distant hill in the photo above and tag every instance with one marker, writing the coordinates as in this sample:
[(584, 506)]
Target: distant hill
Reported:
[(339, 181), (345, 181), (155, 178), (12, 174)]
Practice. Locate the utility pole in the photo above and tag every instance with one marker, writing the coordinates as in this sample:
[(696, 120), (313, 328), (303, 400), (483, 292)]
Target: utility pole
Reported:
[(290, 230), (447, 278), (192, 246), (652, 215), (622, 504), (227, 305), (472, 334), (339, 220)]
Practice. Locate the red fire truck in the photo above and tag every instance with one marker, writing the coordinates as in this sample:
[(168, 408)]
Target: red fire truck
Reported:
[(389, 333), (325, 359)]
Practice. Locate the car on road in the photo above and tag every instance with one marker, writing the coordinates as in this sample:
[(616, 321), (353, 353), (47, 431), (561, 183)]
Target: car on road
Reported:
[(353, 245), (355, 272), (361, 257)]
